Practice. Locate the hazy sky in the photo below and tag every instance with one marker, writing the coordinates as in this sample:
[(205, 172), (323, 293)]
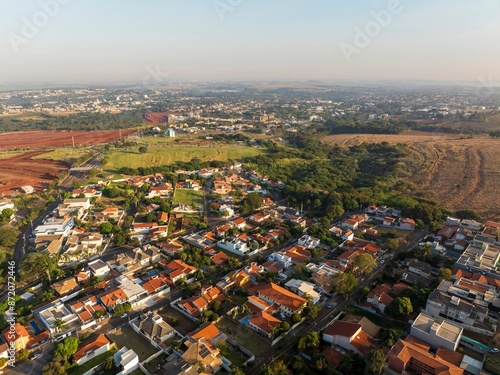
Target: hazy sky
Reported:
[(90, 41)]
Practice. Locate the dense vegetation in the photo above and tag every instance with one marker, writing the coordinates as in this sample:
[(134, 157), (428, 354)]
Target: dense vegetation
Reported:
[(79, 121)]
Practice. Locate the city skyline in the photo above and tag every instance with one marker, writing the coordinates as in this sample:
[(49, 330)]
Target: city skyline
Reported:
[(70, 42)]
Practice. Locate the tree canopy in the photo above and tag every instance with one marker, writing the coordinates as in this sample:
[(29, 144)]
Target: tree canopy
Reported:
[(343, 283)]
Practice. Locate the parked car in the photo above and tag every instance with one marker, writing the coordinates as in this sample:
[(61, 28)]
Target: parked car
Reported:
[(329, 306), (124, 315)]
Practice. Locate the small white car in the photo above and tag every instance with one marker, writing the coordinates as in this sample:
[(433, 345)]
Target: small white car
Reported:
[(124, 315)]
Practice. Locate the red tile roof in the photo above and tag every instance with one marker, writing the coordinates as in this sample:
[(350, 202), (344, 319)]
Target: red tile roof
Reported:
[(92, 344)]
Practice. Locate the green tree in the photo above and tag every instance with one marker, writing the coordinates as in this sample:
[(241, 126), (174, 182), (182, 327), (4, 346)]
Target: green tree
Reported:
[(67, 348), (363, 263), (296, 318), (276, 368), (445, 274), (109, 364), (467, 214), (35, 263), (106, 228), (388, 337), (343, 283), (376, 359), (311, 311), (309, 340), (400, 306), (6, 215), (8, 236), (143, 149), (60, 325)]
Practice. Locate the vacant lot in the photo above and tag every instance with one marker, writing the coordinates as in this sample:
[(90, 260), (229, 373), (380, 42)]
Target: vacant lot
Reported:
[(190, 197), (171, 154), (458, 172), (126, 336), (245, 337), (67, 154)]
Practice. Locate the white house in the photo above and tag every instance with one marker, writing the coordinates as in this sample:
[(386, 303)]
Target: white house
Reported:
[(284, 259), (55, 311), (127, 360), (304, 289), (309, 242), (99, 268), (91, 348), (235, 246), (436, 332), (78, 202)]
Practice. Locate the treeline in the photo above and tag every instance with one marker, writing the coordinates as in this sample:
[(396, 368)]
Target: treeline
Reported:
[(79, 121), (193, 165), (329, 181), (350, 125)]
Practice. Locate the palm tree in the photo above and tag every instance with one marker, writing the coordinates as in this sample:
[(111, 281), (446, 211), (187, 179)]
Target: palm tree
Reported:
[(60, 325)]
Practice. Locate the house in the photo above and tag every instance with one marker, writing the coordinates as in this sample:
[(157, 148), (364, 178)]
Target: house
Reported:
[(419, 268), (193, 306), (389, 221), (78, 202), (201, 352), (412, 356), (110, 213), (66, 286), (98, 268), (126, 360), (298, 254), (132, 290), (347, 257), (309, 242), (91, 348), (171, 247), (378, 298), (16, 336), (236, 246), (112, 297), (177, 269), (442, 305), (436, 332), (170, 133), (406, 223), (55, 313), (349, 336), (157, 284), (207, 331), (219, 258), (147, 255), (304, 289), (154, 328), (350, 224), (239, 223), (263, 323), (322, 276), (159, 191), (288, 302), (87, 309), (143, 228)]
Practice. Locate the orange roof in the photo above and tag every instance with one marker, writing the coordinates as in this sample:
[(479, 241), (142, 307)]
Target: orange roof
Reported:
[(239, 221), (207, 331), (333, 357), (282, 296), (219, 258), (92, 344), (265, 321), (85, 315), (19, 331), (110, 297), (152, 285), (408, 354)]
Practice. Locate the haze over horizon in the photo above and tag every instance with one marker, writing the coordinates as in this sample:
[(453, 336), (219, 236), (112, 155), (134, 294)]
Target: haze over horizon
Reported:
[(108, 42)]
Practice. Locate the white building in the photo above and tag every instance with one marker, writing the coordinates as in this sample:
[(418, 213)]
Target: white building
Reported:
[(235, 246), (309, 242), (304, 289), (127, 360), (436, 332)]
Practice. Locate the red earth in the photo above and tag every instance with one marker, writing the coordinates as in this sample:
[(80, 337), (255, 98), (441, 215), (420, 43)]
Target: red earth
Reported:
[(40, 139), (158, 118), (22, 170)]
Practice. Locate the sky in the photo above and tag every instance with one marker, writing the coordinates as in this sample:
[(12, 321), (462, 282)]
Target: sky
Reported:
[(157, 41)]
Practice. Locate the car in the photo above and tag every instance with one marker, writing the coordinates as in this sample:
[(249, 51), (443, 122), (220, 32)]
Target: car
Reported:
[(329, 306), (96, 327), (124, 315), (494, 350), (36, 356), (382, 261)]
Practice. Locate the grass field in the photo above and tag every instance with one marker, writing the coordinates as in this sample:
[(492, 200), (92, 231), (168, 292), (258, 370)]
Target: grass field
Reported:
[(67, 154), (126, 336), (9, 154), (244, 336), (190, 197), (169, 155)]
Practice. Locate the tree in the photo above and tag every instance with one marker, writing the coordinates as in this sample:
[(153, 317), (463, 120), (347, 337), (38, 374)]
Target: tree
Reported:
[(143, 149), (119, 239), (6, 215), (35, 263), (400, 306), (444, 274), (388, 337), (296, 318), (311, 311), (310, 340), (109, 363), (276, 368), (60, 325), (237, 371), (363, 263), (67, 348), (376, 359), (106, 228), (343, 283), (121, 309), (467, 214), (8, 236), (319, 360)]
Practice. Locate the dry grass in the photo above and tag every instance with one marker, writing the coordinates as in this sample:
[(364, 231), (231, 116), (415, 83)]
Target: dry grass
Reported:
[(460, 173)]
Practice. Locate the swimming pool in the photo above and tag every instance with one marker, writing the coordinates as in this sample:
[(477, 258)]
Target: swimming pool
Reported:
[(35, 327), (245, 320), (153, 272)]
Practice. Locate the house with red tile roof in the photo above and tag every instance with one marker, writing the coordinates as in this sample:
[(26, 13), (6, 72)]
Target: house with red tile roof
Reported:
[(350, 336), (206, 331), (287, 301), (263, 323), (412, 356), (378, 298), (86, 309), (112, 297), (239, 223), (219, 258), (17, 337), (91, 348), (158, 284), (298, 253), (177, 269)]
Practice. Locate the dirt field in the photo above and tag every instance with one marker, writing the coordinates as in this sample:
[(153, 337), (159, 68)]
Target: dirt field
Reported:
[(459, 173), (39, 139), (21, 170), (156, 118)]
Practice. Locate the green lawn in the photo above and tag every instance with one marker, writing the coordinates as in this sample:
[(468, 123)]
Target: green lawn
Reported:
[(77, 370), (68, 154), (190, 197), (244, 336), (170, 154), (126, 336)]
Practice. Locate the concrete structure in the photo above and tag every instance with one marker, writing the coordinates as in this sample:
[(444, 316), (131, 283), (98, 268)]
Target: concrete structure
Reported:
[(437, 333)]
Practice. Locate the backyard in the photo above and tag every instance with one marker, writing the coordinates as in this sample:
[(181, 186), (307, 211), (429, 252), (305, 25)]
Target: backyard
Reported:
[(189, 197), (244, 336), (126, 336), (184, 326)]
